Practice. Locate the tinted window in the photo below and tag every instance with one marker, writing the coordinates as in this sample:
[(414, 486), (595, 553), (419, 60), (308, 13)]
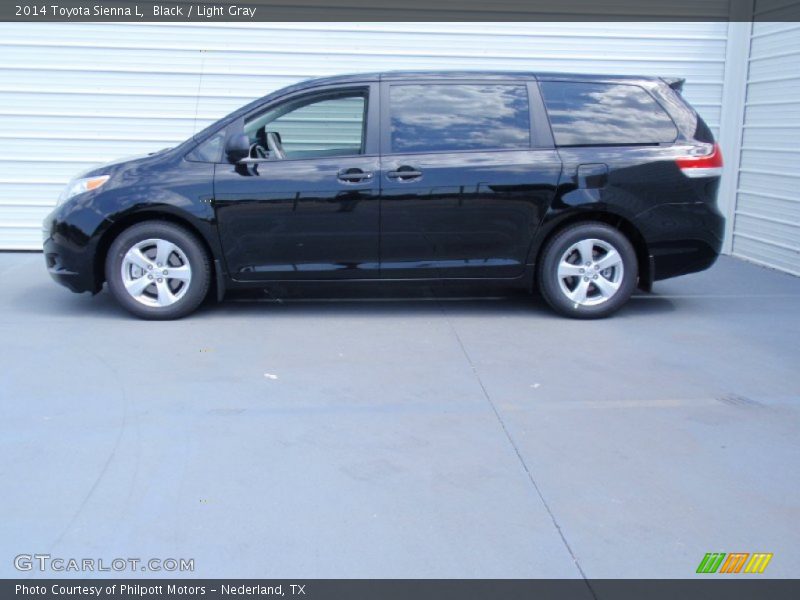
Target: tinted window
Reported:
[(604, 114), (430, 118), (315, 126)]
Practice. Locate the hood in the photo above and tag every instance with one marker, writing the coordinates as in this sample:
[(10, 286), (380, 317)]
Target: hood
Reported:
[(125, 161)]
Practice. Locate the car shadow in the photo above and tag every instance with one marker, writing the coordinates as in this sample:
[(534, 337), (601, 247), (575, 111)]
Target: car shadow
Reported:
[(352, 299), (45, 299), (412, 298)]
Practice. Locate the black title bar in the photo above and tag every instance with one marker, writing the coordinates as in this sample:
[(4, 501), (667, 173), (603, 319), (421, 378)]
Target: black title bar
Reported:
[(407, 10), (703, 587)]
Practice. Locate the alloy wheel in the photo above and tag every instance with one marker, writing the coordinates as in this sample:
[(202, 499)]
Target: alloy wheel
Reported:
[(590, 272), (156, 272)]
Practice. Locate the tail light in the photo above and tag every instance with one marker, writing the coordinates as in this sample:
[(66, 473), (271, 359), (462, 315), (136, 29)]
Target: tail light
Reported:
[(708, 164)]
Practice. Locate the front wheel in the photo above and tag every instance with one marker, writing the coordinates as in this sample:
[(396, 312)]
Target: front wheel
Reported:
[(587, 271), (158, 270)]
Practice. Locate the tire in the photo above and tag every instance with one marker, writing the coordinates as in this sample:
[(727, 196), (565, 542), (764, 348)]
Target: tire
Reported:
[(185, 275), (575, 289)]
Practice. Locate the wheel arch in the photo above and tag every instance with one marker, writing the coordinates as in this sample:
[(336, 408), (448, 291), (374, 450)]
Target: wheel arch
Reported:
[(622, 224), (122, 223)]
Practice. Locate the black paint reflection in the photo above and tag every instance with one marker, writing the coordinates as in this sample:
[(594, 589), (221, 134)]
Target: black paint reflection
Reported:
[(296, 219), (435, 118), (605, 113), (469, 215)]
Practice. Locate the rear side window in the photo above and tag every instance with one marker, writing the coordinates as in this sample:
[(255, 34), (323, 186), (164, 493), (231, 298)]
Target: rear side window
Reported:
[(451, 117), (604, 114)]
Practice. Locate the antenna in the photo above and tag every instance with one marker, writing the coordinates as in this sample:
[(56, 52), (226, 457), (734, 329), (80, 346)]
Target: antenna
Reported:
[(199, 87)]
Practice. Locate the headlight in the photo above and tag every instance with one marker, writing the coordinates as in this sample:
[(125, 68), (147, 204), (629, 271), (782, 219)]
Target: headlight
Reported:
[(79, 186)]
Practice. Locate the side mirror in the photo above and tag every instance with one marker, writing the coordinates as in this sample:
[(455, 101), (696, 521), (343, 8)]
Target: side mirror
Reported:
[(237, 148)]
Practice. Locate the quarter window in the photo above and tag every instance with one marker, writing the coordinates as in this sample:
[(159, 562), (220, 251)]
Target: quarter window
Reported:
[(601, 114), (208, 151), (315, 126), (449, 117)]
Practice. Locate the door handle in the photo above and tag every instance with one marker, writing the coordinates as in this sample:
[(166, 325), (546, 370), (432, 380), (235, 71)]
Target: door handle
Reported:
[(354, 175), (404, 173)]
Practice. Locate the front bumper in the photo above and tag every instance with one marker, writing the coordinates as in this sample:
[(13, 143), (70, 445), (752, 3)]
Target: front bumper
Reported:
[(76, 279), (69, 254)]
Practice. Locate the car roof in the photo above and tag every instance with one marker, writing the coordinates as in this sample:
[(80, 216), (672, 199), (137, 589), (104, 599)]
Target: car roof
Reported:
[(467, 74)]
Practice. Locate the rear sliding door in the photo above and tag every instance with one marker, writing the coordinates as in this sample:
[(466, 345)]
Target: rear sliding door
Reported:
[(467, 172)]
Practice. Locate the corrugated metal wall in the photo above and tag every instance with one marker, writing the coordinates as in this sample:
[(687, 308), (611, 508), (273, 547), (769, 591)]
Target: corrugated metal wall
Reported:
[(76, 94), (766, 227)]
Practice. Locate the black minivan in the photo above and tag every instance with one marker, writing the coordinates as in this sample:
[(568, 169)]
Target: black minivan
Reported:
[(581, 186)]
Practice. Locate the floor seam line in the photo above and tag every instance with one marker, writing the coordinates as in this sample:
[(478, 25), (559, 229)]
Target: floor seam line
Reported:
[(517, 451)]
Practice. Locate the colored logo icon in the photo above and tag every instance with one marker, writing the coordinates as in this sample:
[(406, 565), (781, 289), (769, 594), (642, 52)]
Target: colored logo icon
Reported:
[(735, 562)]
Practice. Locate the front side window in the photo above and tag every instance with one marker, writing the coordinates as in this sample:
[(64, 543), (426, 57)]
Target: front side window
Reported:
[(314, 126), (600, 114), (451, 117)]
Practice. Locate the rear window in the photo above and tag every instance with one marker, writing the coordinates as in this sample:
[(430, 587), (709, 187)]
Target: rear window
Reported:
[(449, 117), (604, 114)]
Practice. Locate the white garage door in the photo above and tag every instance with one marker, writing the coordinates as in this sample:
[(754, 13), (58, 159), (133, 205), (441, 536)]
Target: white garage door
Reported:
[(766, 227), (74, 95)]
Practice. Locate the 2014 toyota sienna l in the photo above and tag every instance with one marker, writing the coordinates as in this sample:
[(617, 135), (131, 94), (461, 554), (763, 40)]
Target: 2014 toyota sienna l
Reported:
[(581, 186)]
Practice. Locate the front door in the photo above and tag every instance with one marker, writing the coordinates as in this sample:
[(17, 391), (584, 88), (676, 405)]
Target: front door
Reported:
[(312, 210), (465, 182)]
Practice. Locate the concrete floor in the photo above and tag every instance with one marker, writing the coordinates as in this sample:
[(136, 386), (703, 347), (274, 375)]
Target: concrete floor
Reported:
[(415, 438)]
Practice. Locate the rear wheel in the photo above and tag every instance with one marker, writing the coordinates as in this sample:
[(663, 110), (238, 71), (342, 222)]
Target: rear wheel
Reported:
[(587, 271), (158, 270)]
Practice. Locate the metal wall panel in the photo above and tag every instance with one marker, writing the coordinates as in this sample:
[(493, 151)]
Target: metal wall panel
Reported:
[(766, 226), (76, 94)]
